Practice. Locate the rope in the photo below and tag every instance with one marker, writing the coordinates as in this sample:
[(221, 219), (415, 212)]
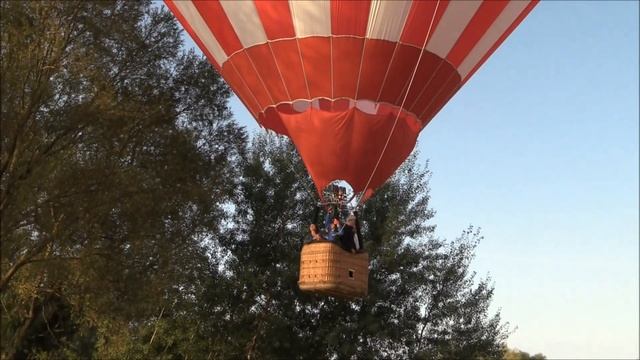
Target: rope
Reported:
[(415, 69)]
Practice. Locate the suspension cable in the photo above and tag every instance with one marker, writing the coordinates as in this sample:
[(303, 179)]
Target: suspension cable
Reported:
[(415, 69)]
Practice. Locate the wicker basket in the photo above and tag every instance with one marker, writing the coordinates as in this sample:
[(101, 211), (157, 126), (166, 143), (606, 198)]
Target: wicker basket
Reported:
[(325, 268)]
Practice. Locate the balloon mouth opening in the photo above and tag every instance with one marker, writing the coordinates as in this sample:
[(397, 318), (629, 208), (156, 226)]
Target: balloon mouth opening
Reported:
[(339, 192)]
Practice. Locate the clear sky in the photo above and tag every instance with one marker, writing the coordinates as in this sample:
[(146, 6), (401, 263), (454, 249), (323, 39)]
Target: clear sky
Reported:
[(540, 149)]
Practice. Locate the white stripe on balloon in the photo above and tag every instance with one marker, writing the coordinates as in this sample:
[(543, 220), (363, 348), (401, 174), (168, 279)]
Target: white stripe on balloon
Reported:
[(454, 20), (246, 22), (497, 29), (387, 19), (200, 27), (311, 18)]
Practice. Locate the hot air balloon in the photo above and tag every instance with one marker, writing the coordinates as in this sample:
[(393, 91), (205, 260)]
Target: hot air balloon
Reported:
[(352, 83)]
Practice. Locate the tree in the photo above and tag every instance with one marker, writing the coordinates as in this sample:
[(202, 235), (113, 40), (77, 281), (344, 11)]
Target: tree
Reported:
[(423, 301), (137, 222), (118, 157)]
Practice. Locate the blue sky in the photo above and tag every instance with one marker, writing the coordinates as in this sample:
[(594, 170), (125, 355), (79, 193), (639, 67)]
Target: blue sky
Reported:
[(540, 149)]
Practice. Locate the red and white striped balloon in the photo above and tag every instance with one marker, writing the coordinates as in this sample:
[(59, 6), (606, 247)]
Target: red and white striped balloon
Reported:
[(352, 83)]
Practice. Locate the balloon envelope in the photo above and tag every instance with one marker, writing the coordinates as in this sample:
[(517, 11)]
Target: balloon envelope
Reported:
[(352, 83)]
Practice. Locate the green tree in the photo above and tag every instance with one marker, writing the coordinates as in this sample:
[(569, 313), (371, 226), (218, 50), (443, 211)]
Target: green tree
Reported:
[(423, 301), (118, 159), (138, 223)]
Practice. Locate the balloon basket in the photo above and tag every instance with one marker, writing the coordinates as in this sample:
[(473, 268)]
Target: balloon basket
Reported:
[(327, 269)]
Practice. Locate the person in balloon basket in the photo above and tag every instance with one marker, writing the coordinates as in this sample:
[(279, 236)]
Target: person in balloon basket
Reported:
[(332, 230), (332, 226), (350, 237), (346, 235), (314, 232)]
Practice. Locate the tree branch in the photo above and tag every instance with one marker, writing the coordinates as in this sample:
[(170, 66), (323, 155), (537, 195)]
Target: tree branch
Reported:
[(28, 256)]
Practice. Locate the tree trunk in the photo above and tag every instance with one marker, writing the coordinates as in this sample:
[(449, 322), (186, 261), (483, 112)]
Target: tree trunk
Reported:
[(23, 332)]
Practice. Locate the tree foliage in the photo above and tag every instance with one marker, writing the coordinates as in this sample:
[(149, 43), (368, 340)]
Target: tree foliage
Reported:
[(423, 300), (138, 221), (117, 160)]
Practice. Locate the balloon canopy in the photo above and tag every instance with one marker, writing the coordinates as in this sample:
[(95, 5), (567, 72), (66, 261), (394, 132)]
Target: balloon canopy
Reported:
[(352, 83)]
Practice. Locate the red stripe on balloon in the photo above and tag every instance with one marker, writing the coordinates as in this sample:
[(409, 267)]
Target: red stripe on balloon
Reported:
[(316, 57), (287, 56), (400, 70), (441, 76), (232, 77), (429, 65), (345, 71), (276, 19), (376, 59), (268, 70), (438, 98), (350, 17), (508, 32), (481, 21), (217, 20), (245, 68), (192, 33), (418, 21)]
